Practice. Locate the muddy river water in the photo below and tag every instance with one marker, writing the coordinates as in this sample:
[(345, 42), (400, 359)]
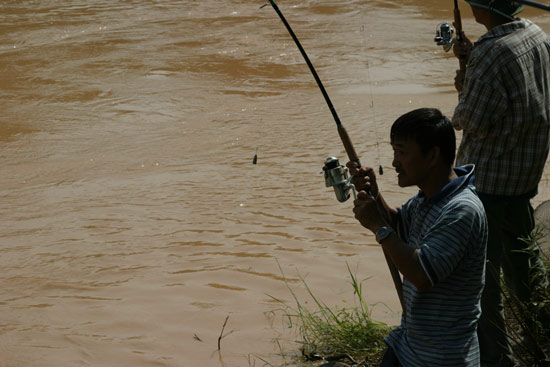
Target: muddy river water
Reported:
[(133, 222)]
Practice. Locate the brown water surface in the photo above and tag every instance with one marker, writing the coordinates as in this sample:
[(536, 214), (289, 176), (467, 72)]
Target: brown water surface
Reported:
[(133, 221)]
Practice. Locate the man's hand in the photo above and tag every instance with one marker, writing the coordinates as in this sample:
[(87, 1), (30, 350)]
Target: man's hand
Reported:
[(463, 48), (366, 212), (459, 80), (363, 178)]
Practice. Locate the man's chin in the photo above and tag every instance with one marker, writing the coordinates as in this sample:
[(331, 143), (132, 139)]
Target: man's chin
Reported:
[(402, 182)]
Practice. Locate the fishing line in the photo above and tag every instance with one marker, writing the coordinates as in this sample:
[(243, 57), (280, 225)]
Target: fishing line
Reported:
[(350, 150), (369, 83), (342, 132)]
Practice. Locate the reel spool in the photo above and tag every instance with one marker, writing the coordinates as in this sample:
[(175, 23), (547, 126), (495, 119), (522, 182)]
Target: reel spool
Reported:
[(444, 36), (336, 176)]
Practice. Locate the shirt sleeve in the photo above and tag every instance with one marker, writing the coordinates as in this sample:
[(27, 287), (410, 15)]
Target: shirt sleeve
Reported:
[(447, 242), (481, 102)]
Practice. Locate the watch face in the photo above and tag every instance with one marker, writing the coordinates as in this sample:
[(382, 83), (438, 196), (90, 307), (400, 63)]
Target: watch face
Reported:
[(382, 233)]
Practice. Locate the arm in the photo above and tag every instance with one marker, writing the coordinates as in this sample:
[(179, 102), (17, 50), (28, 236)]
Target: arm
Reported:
[(479, 105), (364, 180), (404, 257), (482, 100), (373, 212), (461, 49)]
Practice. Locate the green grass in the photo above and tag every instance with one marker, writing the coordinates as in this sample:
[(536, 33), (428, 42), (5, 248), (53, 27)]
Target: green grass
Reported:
[(528, 323), (348, 334), (325, 333)]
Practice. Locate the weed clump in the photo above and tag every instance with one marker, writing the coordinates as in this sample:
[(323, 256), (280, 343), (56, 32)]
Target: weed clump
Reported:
[(348, 334), (528, 323)]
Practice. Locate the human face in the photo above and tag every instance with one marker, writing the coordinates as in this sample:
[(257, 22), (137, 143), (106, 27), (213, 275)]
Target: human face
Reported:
[(477, 13), (411, 165), (482, 16)]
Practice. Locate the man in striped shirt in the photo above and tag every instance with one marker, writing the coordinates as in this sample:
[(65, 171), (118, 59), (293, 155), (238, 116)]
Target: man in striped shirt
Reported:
[(504, 113), (437, 240)]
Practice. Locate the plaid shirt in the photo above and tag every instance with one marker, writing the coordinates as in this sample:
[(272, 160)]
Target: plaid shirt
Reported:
[(504, 109)]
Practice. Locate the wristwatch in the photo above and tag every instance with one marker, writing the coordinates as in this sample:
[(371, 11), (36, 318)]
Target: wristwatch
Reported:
[(383, 233)]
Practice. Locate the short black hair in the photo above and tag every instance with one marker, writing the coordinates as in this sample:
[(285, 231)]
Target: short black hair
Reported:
[(429, 128)]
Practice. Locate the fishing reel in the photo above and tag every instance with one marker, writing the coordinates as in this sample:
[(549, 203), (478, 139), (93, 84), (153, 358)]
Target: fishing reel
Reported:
[(444, 36), (336, 176)]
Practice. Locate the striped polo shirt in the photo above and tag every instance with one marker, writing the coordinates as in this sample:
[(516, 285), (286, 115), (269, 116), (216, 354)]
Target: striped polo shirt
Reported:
[(450, 229)]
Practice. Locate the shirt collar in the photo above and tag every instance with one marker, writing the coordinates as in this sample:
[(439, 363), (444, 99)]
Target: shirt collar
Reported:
[(465, 178), (504, 29)]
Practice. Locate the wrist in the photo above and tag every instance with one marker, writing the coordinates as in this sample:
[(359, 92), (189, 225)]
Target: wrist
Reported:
[(375, 227), (382, 233)]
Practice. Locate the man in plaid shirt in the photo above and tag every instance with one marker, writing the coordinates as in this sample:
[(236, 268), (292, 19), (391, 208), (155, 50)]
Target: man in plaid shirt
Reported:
[(504, 113)]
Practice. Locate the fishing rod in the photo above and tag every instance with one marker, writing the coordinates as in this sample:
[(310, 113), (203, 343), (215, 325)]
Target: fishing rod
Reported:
[(445, 31), (534, 4), (444, 36), (352, 155), (336, 174), (462, 60)]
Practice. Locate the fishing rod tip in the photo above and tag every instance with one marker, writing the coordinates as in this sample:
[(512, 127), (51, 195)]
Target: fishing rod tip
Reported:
[(263, 6)]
